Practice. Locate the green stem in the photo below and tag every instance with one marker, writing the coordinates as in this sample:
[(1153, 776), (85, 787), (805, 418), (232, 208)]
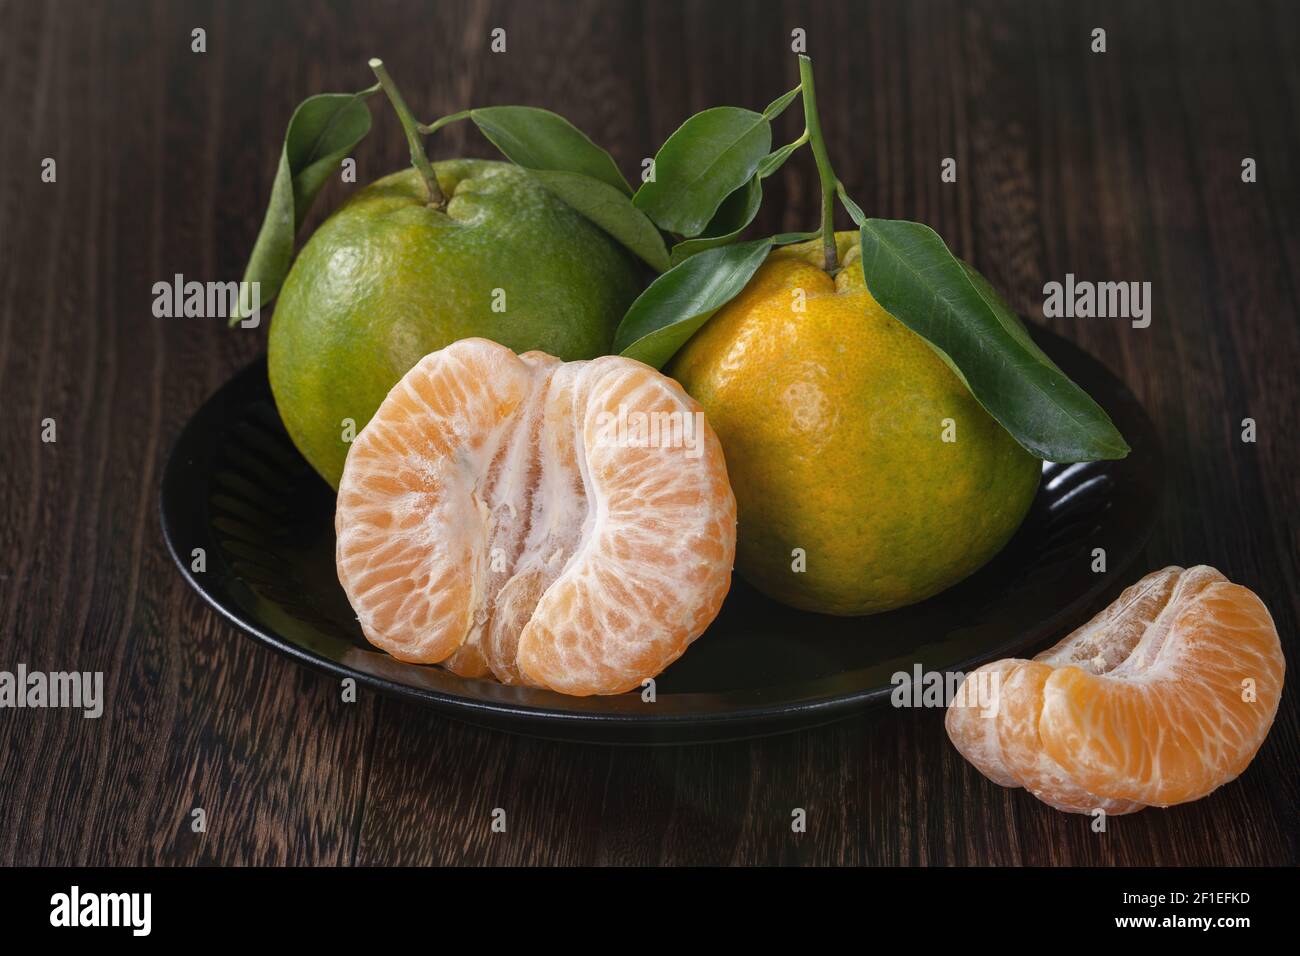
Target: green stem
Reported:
[(814, 125), (801, 141), (412, 129), (438, 124)]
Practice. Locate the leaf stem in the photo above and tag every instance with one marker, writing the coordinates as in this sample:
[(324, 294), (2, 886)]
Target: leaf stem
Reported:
[(796, 143), (438, 124), (814, 126), (412, 129)]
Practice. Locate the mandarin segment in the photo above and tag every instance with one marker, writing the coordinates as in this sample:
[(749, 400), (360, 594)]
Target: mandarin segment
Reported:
[(1179, 727), (1034, 768), (561, 525), (1161, 698)]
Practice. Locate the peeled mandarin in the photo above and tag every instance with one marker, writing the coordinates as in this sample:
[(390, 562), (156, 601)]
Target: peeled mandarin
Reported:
[(1163, 697), (566, 525)]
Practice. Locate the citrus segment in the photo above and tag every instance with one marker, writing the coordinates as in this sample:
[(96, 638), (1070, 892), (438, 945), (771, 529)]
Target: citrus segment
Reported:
[(1161, 698), (563, 525)]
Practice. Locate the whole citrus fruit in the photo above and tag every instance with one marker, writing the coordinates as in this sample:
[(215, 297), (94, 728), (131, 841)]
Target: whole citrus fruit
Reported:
[(866, 475), (387, 279)]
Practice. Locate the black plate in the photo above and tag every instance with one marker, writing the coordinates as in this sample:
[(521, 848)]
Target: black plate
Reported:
[(236, 487)]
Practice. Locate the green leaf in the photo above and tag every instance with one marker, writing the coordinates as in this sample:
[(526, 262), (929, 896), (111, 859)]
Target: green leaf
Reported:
[(611, 210), (541, 140), (789, 238), (914, 277), (322, 130), (732, 218), (776, 159), (855, 211), (778, 105), (571, 166), (710, 156), (668, 313)]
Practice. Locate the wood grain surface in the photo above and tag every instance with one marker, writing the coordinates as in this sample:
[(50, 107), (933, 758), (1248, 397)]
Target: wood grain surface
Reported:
[(1117, 166)]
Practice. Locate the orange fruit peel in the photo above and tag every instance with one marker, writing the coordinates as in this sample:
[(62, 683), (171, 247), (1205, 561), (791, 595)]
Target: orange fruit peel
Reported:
[(560, 525), (833, 415), (1163, 697)]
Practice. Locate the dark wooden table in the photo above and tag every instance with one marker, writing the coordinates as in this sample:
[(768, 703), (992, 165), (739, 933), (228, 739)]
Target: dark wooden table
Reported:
[(1117, 166)]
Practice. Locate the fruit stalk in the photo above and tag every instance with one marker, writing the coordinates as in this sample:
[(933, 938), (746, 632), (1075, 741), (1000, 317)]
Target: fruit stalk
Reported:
[(813, 124), (412, 129)]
